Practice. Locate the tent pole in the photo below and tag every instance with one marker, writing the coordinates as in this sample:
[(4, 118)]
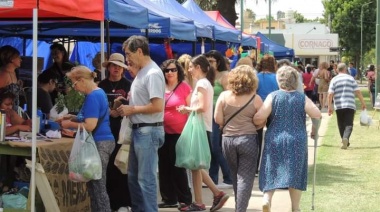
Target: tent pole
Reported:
[(108, 37), (213, 44), (102, 48), (34, 110)]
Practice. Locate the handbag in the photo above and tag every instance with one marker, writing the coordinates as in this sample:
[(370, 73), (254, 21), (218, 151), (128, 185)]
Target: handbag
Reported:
[(192, 149), (121, 159), (125, 133)]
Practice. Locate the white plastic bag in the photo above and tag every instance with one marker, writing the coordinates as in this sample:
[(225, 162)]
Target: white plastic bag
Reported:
[(84, 161), (54, 115), (365, 120), (121, 159), (125, 133)]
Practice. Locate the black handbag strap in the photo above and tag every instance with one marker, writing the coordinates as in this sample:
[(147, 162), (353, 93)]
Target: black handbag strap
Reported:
[(237, 112), (172, 93), (98, 123)]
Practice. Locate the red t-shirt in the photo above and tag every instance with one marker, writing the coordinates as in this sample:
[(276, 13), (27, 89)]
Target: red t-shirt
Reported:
[(306, 81), (173, 120)]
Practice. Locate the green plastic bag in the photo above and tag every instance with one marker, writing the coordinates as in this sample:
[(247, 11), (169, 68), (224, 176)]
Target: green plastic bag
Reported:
[(192, 149)]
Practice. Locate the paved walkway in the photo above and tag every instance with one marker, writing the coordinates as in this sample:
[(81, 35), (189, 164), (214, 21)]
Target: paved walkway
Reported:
[(281, 199)]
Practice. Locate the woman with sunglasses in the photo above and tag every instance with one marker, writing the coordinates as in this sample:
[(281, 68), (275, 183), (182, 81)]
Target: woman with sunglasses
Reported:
[(173, 180)]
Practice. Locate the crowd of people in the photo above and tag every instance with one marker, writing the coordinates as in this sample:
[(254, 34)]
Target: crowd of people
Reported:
[(236, 105)]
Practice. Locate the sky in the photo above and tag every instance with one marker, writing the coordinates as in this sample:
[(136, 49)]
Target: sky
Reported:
[(310, 9)]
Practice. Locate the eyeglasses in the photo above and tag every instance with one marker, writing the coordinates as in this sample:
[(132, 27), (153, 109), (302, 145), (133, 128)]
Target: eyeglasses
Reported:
[(212, 61), (75, 83), (170, 69)]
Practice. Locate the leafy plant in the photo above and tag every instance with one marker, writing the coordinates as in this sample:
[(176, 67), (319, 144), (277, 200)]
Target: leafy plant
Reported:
[(73, 100), (60, 102)]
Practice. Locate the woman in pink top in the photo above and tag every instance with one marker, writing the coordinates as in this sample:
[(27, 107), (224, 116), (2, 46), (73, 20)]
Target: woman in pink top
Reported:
[(173, 181)]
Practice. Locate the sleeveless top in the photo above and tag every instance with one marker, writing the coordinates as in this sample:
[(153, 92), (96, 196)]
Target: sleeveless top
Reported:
[(15, 90), (218, 89), (242, 123)]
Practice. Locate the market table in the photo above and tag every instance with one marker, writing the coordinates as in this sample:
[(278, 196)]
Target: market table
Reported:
[(53, 155)]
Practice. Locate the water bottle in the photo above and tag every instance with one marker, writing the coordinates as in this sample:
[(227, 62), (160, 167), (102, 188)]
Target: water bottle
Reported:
[(40, 121), (3, 125)]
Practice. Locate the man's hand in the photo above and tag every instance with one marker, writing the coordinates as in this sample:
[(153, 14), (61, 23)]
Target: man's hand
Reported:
[(330, 110), (125, 110), (114, 113)]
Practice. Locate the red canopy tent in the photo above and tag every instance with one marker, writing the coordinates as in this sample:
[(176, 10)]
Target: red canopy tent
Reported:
[(216, 16), (48, 9), (84, 9)]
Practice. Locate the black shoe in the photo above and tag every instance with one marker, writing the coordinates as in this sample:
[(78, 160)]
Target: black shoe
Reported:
[(167, 205)]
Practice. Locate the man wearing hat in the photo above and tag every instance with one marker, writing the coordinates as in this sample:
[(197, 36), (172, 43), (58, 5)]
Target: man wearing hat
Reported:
[(116, 85)]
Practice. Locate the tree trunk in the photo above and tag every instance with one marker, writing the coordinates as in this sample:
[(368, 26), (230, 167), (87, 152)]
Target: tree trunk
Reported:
[(227, 9)]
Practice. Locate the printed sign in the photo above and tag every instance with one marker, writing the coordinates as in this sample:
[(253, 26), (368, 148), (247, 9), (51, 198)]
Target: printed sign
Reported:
[(70, 196), (6, 3)]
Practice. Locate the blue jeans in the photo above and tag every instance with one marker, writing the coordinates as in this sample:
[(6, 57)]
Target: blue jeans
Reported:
[(217, 158), (142, 167)]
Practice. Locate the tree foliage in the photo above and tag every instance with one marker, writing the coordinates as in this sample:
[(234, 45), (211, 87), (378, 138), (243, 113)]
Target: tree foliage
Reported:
[(345, 20)]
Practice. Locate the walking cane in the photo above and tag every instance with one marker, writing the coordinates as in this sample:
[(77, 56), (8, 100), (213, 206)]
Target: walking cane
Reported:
[(316, 123)]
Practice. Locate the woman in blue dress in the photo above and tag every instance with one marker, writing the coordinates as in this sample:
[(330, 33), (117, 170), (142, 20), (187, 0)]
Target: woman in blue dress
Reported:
[(284, 160)]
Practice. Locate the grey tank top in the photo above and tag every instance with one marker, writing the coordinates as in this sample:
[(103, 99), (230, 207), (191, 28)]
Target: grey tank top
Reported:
[(242, 123)]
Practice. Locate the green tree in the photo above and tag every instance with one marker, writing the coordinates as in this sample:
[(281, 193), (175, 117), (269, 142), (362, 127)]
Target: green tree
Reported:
[(299, 17), (345, 20)]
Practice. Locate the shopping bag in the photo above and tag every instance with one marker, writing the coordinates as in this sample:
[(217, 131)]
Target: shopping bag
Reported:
[(125, 133), (14, 200), (192, 149), (365, 120), (84, 161), (121, 159)]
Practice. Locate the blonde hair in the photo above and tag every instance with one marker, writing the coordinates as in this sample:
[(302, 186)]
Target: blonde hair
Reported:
[(79, 72), (324, 65), (184, 60), (242, 80), (245, 61)]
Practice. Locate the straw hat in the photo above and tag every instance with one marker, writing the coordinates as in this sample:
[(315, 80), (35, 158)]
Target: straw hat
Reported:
[(117, 59)]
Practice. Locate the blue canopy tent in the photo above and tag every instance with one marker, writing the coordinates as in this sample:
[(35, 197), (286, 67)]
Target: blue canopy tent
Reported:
[(175, 9), (221, 33), (279, 52), (163, 24)]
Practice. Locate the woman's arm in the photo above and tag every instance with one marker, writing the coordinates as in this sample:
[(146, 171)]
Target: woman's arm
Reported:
[(265, 110), (258, 103), (311, 109), (15, 118), (202, 102), (218, 115), (224, 80), (89, 124)]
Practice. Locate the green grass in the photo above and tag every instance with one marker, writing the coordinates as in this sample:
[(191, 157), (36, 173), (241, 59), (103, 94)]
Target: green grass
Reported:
[(347, 180)]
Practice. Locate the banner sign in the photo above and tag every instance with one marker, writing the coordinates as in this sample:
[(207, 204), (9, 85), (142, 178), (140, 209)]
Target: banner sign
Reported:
[(70, 196)]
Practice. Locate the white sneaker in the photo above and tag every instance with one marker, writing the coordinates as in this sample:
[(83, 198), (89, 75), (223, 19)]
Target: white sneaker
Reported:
[(224, 185), (123, 209), (344, 143)]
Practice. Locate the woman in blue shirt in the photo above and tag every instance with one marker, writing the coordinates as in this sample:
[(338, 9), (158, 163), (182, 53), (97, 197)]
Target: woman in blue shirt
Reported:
[(94, 116)]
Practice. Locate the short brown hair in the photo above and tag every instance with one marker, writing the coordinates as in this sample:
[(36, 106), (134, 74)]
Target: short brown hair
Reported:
[(242, 80), (267, 63)]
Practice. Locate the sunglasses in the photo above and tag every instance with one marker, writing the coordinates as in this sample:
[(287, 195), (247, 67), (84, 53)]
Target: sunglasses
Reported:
[(170, 69)]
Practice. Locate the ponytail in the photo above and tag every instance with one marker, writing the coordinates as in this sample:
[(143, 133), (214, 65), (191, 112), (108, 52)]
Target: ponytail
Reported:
[(210, 75)]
